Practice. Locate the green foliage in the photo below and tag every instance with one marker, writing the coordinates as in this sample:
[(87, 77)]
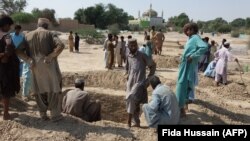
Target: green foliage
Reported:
[(130, 17), (178, 21), (225, 28), (23, 17), (79, 15), (235, 34), (45, 13), (89, 33), (13, 6), (247, 22), (114, 29), (103, 16), (239, 22)]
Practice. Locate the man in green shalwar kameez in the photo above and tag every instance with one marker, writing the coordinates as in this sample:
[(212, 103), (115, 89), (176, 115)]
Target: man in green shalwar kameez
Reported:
[(194, 48)]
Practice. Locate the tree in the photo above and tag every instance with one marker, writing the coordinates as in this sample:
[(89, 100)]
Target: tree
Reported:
[(239, 22), (178, 21), (79, 15), (247, 22), (23, 17), (45, 13), (225, 28), (103, 16), (182, 19), (130, 17), (13, 6)]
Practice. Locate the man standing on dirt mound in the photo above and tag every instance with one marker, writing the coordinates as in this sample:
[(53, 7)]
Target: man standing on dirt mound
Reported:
[(44, 47), (187, 77), (136, 84)]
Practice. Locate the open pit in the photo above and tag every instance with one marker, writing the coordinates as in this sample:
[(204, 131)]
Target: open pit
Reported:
[(166, 61)]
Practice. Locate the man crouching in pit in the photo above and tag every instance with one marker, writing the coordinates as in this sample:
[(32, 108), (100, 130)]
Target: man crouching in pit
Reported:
[(77, 103), (136, 81)]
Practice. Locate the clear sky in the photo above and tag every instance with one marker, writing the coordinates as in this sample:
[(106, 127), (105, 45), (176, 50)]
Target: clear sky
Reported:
[(195, 9)]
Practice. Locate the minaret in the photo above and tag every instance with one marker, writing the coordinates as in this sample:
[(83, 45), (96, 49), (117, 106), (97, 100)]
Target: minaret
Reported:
[(162, 14), (150, 10), (139, 14)]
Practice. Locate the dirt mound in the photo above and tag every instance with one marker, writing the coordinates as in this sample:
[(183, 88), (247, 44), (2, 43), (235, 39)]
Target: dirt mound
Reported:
[(166, 61), (232, 91), (205, 81), (107, 79)]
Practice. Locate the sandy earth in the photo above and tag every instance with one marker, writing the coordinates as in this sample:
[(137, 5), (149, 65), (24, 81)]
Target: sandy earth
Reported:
[(214, 105)]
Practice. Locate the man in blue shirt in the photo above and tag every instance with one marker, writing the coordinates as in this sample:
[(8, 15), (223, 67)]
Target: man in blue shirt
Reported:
[(18, 38)]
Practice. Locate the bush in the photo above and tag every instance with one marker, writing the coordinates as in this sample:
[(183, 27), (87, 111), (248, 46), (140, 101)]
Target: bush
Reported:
[(89, 33), (235, 34), (114, 29), (23, 17)]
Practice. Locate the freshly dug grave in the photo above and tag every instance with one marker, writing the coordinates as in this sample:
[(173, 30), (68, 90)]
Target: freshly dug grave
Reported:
[(167, 61), (107, 79), (113, 107)]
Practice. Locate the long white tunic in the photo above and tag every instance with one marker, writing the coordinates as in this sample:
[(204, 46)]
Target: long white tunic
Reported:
[(223, 56)]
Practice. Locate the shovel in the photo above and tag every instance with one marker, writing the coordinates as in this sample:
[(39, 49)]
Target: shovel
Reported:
[(241, 72)]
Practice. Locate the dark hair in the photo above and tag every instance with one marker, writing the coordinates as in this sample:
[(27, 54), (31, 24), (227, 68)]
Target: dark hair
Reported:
[(122, 37), (79, 85), (129, 37), (76, 33), (5, 20), (191, 26), (206, 39), (224, 40), (154, 81), (148, 37), (116, 36), (110, 37), (70, 32), (159, 30), (18, 27), (212, 42)]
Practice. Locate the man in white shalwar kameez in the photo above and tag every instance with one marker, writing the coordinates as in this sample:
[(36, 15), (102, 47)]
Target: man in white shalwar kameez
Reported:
[(223, 56)]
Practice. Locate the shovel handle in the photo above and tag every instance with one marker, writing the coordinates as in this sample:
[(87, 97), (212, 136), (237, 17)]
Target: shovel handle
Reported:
[(241, 69)]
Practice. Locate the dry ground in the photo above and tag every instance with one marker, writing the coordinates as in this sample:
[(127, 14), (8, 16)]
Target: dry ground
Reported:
[(214, 105)]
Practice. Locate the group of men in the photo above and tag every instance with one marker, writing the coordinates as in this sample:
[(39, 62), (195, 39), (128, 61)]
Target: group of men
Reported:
[(40, 48), (73, 43), (163, 108), (217, 67), (115, 51), (157, 39)]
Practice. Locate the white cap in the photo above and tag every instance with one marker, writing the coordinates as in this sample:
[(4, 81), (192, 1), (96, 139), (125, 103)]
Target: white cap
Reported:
[(227, 44), (79, 81)]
